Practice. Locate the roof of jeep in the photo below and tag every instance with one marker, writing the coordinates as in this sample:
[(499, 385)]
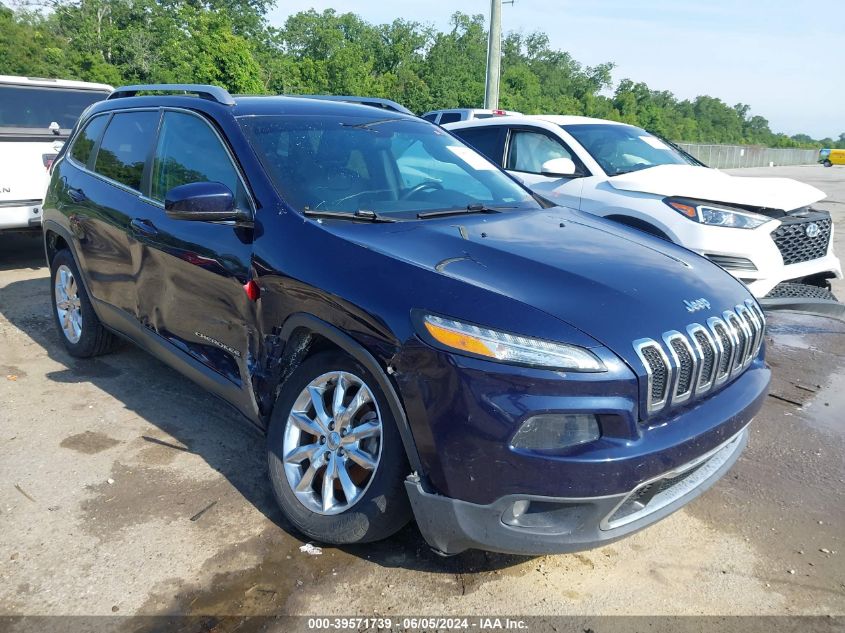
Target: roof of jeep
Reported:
[(250, 106), (261, 105)]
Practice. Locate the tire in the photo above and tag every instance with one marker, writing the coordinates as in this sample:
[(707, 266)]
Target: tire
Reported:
[(380, 507), (827, 163), (79, 328)]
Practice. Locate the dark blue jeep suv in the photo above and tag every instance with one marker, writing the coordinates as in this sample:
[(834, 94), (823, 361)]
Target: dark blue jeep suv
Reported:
[(417, 333)]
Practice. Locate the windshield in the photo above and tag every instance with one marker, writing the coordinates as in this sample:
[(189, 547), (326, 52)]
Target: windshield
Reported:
[(392, 167), (23, 107), (620, 149)]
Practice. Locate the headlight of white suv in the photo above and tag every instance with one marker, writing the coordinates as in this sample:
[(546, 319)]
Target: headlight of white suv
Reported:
[(706, 213), (472, 340)]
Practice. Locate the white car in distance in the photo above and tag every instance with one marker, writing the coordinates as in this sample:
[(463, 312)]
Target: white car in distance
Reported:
[(453, 115), (36, 117), (761, 230)]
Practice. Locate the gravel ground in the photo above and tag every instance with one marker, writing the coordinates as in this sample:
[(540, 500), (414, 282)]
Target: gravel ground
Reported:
[(125, 489)]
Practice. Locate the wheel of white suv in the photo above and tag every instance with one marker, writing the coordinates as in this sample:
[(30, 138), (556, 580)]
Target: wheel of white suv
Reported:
[(337, 463), (79, 328)]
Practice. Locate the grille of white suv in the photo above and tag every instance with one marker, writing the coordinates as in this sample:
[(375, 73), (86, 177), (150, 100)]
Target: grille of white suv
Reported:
[(798, 241)]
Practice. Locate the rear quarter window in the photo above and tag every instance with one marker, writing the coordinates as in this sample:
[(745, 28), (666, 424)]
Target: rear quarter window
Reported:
[(125, 146), (87, 138), (487, 140)]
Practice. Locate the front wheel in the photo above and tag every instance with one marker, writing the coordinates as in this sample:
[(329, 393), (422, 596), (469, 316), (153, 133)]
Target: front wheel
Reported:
[(337, 463), (827, 163)]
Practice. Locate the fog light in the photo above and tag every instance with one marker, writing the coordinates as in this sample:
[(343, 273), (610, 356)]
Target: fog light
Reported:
[(556, 430)]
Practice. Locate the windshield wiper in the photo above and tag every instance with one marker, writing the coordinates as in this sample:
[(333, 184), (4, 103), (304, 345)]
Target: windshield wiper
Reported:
[(475, 207), (361, 214)]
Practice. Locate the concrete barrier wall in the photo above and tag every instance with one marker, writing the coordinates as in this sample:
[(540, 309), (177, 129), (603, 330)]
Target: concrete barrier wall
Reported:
[(734, 156)]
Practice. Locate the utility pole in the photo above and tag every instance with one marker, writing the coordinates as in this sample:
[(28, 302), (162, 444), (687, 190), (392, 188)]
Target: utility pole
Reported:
[(494, 56)]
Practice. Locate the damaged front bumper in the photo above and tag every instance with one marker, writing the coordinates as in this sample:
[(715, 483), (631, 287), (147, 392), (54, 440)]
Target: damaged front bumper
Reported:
[(534, 525)]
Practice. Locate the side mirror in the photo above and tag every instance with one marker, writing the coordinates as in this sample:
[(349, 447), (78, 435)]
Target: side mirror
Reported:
[(203, 202), (558, 167)]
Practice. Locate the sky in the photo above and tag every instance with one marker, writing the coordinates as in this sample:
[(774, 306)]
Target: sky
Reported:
[(784, 58)]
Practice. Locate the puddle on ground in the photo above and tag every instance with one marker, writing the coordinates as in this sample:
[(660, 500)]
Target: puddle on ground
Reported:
[(798, 335), (825, 411), (89, 442)]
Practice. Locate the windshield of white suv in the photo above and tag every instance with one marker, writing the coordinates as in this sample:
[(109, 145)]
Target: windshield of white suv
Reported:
[(390, 167), (621, 149), (32, 108)]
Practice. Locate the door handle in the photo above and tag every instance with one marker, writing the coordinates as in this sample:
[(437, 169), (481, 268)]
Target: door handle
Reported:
[(143, 227), (77, 195)]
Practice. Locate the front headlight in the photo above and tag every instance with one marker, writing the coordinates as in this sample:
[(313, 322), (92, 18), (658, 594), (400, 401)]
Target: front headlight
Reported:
[(706, 213), (473, 340)]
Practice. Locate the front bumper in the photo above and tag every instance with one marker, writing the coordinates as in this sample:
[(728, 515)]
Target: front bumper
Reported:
[(24, 214), (757, 247), (534, 525), (829, 264), (464, 413)]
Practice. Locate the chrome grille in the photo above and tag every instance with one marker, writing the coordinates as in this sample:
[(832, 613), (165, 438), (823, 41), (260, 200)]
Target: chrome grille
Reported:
[(687, 365), (708, 352), (726, 343), (658, 371)]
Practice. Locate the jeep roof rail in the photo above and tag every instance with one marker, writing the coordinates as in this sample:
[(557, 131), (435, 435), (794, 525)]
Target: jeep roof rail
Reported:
[(212, 93), (375, 102)]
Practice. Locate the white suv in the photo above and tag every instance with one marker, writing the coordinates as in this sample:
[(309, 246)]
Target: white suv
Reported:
[(761, 230), (442, 117), (36, 116)]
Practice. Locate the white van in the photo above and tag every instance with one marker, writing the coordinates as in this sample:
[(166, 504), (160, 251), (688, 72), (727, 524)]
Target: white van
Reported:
[(36, 116)]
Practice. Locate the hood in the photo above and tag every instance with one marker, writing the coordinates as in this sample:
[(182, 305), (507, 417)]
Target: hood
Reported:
[(703, 183), (613, 283)]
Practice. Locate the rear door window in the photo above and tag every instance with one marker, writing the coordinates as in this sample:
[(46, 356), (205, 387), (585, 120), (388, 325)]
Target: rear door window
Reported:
[(488, 140), (87, 138), (125, 147), (188, 151)]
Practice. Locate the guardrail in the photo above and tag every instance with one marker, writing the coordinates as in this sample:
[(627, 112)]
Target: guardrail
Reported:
[(734, 156)]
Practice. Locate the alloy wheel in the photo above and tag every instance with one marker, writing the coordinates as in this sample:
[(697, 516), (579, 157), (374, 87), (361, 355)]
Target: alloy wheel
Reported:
[(332, 442), (68, 304)]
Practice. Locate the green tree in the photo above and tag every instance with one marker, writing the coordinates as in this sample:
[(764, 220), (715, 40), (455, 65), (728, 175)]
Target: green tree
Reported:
[(230, 43)]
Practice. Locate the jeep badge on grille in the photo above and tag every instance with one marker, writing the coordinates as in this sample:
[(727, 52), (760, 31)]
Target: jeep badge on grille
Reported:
[(697, 304)]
